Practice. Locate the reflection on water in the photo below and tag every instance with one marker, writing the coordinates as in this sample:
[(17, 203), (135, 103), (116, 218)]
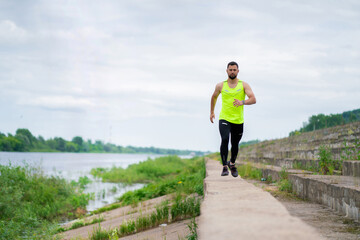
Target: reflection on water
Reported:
[(71, 166)]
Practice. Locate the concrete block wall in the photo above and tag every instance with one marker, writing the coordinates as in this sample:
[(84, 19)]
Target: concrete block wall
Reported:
[(351, 168), (342, 198), (304, 146)]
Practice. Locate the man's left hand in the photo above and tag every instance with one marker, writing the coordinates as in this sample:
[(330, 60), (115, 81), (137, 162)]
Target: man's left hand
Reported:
[(237, 103)]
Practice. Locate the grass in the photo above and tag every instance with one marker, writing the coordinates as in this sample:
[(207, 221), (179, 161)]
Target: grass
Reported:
[(143, 172), (189, 180), (248, 171), (181, 208), (182, 177), (31, 203), (81, 223), (192, 228), (215, 156), (106, 208)]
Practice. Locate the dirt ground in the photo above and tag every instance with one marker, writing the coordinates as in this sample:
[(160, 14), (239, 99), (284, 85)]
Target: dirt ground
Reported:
[(328, 223)]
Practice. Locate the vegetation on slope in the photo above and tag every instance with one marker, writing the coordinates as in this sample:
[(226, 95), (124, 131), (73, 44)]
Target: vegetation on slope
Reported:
[(31, 202), (321, 121), (166, 175)]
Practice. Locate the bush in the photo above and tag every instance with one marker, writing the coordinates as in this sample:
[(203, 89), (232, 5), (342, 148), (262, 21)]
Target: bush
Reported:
[(31, 201), (326, 162)]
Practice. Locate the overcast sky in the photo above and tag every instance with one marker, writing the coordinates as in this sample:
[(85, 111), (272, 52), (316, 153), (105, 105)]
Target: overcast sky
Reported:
[(142, 73)]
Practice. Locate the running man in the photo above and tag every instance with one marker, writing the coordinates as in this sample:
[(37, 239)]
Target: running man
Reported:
[(231, 119)]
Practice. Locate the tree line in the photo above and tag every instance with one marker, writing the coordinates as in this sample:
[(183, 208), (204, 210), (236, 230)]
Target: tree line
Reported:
[(321, 121), (24, 141)]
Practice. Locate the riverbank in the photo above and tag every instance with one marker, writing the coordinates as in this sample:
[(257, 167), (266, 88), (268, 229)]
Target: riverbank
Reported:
[(173, 195), (181, 178)]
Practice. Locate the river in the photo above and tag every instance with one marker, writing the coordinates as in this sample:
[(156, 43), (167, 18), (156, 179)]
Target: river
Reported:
[(71, 166)]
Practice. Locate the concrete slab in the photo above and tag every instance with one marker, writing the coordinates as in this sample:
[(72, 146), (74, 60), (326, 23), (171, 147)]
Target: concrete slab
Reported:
[(235, 209)]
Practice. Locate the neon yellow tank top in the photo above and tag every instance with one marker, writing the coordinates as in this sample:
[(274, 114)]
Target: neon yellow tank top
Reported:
[(229, 112)]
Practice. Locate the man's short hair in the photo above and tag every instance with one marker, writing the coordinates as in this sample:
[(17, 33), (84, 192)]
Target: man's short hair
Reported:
[(232, 64)]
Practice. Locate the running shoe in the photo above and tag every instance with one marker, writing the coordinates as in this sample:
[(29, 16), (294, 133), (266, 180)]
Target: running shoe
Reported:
[(225, 171), (233, 169)]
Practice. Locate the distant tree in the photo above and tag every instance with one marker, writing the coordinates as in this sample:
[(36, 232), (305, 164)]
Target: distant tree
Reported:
[(85, 147), (107, 147), (51, 143), (5, 145), (14, 144), (78, 140), (26, 136), (60, 144), (71, 147), (321, 121), (352, 117), (41, 139)]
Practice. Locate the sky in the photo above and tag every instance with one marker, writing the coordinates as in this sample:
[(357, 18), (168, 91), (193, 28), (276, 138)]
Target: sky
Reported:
[(142, 73)]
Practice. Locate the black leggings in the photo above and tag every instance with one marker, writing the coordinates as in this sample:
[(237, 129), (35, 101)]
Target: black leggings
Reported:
[(236, 131)]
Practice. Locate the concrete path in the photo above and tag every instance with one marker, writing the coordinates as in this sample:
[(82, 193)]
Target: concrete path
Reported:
[(235, 209)]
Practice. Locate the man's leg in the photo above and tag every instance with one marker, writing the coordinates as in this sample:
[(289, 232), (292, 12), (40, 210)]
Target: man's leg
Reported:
[(224, 127), (236, 135)]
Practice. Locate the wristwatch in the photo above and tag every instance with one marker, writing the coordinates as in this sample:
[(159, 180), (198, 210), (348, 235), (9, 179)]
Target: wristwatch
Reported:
[(243, 102)]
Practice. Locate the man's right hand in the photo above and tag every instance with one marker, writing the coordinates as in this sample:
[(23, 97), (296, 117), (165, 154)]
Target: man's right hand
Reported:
[(212, 116)]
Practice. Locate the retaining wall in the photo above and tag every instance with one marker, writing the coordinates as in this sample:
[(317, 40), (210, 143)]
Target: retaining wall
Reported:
[(304, 146), (340, 193)]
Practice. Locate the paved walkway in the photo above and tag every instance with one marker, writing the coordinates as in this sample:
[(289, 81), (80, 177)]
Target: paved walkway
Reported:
[(236, 209)]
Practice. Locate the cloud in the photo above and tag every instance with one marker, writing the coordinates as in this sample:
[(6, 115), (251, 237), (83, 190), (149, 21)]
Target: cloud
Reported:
[(133, 61), (10, 33), (58, 103)]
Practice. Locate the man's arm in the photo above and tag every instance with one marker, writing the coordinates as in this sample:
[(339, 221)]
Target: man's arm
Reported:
[(249, 93), (214, 97)]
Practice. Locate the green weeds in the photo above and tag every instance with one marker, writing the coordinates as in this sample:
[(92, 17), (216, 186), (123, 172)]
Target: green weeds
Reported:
[(193, 230), (327, 164), (30, 202), (186, 208), (82, 223), (181, 208), (284, 184), (99, 233), (248, 171), (188, 181), (143, 172), (106, 208), (351, 152)]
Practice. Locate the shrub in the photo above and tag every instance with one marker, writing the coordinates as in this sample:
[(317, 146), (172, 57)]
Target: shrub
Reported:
[(31, 201), (326, 163)]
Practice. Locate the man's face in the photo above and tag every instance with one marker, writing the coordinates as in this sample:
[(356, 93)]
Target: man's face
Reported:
[(232, 71)]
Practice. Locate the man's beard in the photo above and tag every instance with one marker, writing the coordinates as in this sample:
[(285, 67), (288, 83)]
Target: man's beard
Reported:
[(232, 76)]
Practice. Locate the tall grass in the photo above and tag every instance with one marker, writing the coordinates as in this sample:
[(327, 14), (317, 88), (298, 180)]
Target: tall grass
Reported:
[(180, 176), (182, 208), (189, 180), (30, 202), (143, 172), (248, 171)]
